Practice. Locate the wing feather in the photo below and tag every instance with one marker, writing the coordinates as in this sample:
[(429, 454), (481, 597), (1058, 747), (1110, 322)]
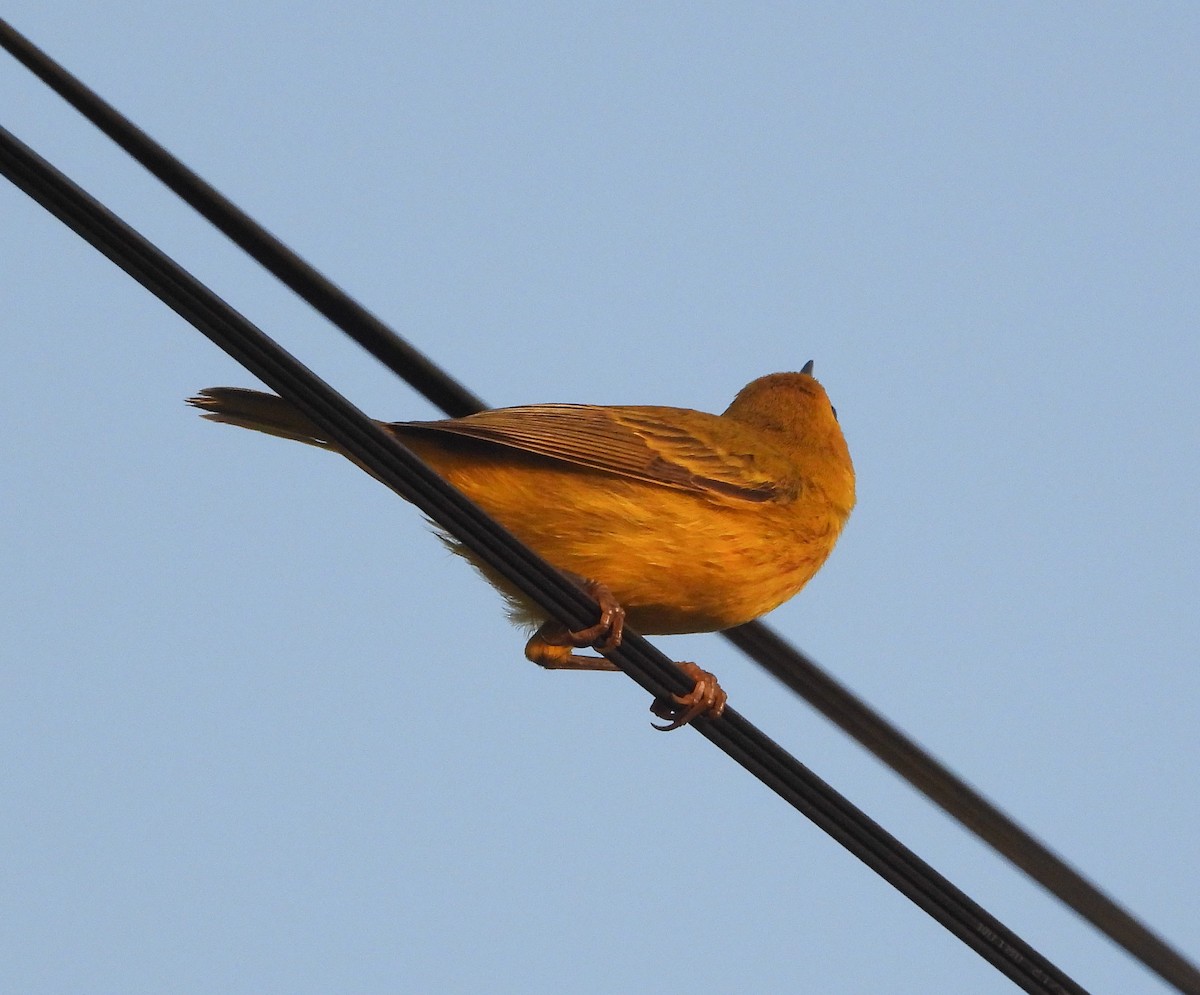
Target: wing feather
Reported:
[(687, 450)]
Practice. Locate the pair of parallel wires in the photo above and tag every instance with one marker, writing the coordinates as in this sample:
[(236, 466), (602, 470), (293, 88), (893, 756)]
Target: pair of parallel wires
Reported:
[(404, 473)]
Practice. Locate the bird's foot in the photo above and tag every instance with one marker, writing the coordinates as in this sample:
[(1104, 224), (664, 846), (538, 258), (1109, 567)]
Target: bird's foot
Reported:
[(705, 699), (605, 635)]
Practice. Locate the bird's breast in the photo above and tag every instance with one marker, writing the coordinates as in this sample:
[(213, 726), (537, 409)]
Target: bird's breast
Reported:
[(676, 560)]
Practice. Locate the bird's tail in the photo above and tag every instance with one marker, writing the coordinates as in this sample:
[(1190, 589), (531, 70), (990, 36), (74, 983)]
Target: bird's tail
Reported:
[(259, 411)]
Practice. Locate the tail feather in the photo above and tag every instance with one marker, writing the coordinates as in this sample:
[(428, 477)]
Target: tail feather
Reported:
[(258, 411)]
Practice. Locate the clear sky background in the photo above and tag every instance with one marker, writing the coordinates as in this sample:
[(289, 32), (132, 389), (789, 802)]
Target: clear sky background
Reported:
[(260, 732)]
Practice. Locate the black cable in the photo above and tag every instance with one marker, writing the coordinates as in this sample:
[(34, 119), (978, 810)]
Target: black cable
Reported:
[(965, 803), (330, 300), (766, 647), (402, 471)]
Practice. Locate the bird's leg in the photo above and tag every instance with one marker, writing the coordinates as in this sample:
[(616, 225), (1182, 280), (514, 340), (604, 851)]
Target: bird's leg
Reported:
[(706, 699), (555, 657), (551, 645)]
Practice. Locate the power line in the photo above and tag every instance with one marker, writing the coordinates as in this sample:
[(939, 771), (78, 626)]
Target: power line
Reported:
[(404, 473), (766, 647), (328, 299)]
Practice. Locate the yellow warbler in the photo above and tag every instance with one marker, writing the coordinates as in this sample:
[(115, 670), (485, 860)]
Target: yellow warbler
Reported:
[(678, 520)]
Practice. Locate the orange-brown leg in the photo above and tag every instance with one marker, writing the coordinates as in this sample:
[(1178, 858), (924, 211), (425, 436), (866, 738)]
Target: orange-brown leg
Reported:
[(706, 699), (555, 657), (551, 645)]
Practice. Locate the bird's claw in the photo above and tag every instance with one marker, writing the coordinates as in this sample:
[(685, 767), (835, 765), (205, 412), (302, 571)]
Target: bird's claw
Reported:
[(705, 699), (605, 635)]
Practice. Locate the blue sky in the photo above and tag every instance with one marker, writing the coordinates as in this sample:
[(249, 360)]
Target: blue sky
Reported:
[(258, 731)]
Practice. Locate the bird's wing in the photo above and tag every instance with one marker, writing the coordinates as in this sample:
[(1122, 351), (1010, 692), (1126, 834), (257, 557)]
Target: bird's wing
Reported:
[(688, 450)]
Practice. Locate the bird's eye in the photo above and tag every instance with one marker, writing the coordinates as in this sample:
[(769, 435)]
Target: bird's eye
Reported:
[(834, 410)]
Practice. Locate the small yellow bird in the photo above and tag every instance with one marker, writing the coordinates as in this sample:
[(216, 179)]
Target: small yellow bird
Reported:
[(676, 520)]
